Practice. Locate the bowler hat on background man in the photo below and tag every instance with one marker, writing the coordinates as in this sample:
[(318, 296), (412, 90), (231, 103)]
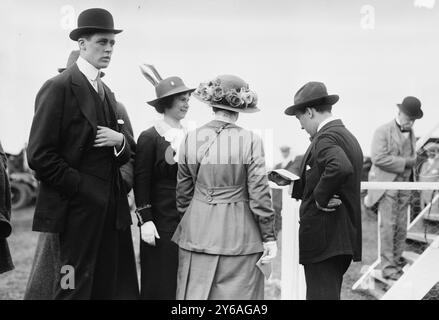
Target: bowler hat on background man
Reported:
[(163, 87), (312, 94), (411, 106), (73, 57), (92, 21)]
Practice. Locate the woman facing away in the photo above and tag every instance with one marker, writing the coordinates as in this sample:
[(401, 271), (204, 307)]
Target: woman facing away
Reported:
[(155, 178), (224, 198)]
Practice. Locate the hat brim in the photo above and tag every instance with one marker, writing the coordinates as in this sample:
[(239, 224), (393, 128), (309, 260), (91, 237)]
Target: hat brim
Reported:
[(241, 110), (76, 33), (417, 116), (172, 92), (221, 106), (326, 100)]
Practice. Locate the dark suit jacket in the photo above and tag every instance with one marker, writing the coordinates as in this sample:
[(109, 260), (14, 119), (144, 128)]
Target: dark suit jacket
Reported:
[(332, 166), (5, 215), (63, 130), (127, 170)]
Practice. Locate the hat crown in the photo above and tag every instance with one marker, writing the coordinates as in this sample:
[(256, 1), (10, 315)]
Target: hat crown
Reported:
[(228, 82), (310, 91), (95, 17), (411, 106), (412, 102), (168, 84)]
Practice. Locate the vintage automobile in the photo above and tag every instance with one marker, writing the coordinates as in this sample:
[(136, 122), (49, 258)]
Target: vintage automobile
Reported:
[(23, 183)]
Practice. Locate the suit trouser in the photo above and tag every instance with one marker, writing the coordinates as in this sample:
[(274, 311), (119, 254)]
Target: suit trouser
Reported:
[(324, 279), (393, 208), (101, 255)]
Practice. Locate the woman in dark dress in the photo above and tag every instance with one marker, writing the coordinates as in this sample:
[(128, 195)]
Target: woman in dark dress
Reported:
[(155, 178)]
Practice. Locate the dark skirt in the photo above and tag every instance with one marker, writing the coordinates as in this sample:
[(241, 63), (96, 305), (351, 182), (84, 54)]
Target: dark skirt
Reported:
[(159, 267)]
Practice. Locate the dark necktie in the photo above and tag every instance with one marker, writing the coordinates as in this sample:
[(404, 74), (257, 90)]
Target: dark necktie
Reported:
[(101, 91)]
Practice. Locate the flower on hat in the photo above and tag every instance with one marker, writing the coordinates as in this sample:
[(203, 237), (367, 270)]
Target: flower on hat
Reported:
[(234, 99), (212, 92)]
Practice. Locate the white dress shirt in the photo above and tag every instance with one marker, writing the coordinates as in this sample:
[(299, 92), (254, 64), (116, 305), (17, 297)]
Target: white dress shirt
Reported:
[(92, 74), (89, 71), (326, 121)]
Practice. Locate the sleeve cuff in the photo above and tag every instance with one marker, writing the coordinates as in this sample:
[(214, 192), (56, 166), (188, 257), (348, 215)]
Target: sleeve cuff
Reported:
[(117, 153), (144, 214), (266, 225)]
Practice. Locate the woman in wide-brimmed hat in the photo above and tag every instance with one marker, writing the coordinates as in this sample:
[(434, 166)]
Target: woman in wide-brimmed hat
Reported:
[(155, 178), (223, 195)]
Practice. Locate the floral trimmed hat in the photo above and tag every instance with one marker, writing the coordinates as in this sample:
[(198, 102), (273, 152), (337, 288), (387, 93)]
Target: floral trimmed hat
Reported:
[(228, 92)]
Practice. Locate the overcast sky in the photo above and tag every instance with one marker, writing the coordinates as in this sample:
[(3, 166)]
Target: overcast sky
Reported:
[(371, 53)]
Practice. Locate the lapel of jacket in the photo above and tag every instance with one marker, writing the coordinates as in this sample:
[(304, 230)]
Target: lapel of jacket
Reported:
[(112, 102), (85, 100), (334, 123)]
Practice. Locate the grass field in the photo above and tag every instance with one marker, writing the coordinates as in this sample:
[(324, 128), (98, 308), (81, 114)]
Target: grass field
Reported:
[(22, 243)]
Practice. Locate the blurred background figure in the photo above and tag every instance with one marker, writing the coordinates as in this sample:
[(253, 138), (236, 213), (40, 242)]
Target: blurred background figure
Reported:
[(394, 159), (5, 215), (292, 165)]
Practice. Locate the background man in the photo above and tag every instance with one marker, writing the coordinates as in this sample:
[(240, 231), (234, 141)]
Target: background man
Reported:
[(393, 159), (329, 187), (288, 164)]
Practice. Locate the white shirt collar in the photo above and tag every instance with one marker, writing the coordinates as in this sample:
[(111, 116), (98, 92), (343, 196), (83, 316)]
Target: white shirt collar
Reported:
[(326, 121), (220, 117), (90, 71)]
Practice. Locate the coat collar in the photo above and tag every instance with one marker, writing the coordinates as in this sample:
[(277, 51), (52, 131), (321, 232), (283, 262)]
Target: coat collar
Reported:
[(81, 90), (332, 124), (218, 123)]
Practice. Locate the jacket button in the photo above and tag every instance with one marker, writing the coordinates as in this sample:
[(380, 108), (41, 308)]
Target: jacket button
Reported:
[(210, 191), (209, 198)]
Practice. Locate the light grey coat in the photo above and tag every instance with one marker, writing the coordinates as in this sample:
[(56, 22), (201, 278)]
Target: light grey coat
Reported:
[(225, 201), (387, 159)]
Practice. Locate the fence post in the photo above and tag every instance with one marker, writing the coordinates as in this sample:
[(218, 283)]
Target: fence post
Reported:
[(293, 285)]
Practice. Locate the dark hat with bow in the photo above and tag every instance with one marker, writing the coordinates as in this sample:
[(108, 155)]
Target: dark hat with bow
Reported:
[(163, 87), (92, 21), (312, 94), (73, 57), (411, 106)]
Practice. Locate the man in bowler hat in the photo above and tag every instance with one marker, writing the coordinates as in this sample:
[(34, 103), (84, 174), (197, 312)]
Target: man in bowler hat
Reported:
[(329, 187), (394, 159), (76, 148)]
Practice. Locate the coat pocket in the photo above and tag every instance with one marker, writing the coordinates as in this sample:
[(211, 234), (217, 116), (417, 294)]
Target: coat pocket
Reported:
[(312, 234)]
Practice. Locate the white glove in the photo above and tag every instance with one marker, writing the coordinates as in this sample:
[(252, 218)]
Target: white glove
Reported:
[(270, 251), (148, 233)]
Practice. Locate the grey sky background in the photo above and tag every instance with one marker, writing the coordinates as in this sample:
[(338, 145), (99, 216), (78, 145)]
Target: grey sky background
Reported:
[(276, 46)]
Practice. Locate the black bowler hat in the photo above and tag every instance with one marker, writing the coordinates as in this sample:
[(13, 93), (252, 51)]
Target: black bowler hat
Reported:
[(92, 21), (312, 94), (411, 106)]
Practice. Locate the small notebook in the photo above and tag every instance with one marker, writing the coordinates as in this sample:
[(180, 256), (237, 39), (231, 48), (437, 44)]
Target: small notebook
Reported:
[(282, 177)]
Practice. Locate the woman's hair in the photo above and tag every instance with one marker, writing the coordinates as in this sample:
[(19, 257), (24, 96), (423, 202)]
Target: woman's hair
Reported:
[(165, 103), (215, 110)]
